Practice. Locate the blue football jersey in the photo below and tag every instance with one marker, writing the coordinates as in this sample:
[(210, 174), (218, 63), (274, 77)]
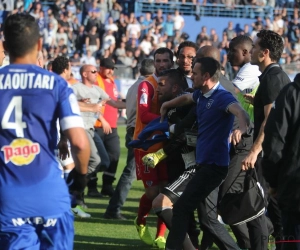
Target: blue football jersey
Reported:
[(31, 101)]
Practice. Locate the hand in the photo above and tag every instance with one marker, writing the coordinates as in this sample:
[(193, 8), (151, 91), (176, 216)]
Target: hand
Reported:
[(85, 100), (249, 161), (163, 112), (97, 107), (236, 136), (63, 148), (249, 98), (106, 127)]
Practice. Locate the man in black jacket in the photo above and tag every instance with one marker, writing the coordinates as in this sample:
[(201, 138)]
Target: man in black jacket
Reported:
[(281, 164), (266, 52)]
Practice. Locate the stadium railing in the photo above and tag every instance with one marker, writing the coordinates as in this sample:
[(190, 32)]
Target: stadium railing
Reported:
[(218, 10)]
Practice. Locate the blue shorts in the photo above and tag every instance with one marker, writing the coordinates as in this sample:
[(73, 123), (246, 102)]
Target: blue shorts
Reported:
[(38, 233)]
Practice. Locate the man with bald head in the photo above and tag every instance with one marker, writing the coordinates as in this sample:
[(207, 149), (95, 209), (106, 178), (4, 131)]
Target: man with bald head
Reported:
[(87, 90), (210, 51)]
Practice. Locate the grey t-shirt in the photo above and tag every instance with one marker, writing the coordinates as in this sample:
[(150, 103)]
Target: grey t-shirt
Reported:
[(131, 102), (95, 93)]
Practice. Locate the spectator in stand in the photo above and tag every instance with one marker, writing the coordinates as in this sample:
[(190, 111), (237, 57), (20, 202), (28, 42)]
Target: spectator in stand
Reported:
[(75, 25), (132, 45), (215, 40), (49, 36), (146, 24), (109, 40), (80, 39), (161, 42), (102, 5), (159, 19), (246, 30), (229, 31), (111, 25), (63, 21), (120, 52), (35, 12), (95, 9), (115, 11), (139, 57), (88, 59), (93, 21), (202, 35), (168, 27), (268, 24), (146, 45), (178, 21), (61, 35), (71, 7), (130, 63), (92, 41), (75, 59), (122, 25), (133, 29), (278, 23)]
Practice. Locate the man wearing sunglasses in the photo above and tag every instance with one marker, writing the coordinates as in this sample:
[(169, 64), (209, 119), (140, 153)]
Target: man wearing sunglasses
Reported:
[(88, 91)]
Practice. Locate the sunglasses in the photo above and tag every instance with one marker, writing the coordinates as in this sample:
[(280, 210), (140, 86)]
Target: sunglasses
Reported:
[(93, 71)]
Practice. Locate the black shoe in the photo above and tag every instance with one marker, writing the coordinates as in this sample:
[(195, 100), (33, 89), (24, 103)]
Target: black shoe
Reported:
[(94, 193), (114, 216), (107, 190)]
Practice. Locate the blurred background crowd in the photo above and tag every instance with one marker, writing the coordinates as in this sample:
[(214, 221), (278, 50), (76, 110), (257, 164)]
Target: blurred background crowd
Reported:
[(129, 31)]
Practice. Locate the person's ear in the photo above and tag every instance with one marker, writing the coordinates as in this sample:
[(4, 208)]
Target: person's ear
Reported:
[(40, 44)]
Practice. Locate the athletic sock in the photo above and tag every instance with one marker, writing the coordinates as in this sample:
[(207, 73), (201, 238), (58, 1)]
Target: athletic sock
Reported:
[(166, 215), (66, 173), (161, 228), (144, 209)]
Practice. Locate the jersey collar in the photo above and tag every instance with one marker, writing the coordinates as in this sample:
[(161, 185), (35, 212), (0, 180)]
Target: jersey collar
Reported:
[(209, 93)]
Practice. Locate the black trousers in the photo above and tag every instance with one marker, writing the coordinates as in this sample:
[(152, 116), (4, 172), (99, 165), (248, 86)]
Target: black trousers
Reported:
[(112, 145), (253, 234), (203, 185)]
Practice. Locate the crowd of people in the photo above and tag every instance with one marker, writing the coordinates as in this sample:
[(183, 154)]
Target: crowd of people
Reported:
[(195, 96), (89, 31)]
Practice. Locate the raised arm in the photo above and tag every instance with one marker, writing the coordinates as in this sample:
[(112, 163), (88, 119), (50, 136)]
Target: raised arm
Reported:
[(176, 102)]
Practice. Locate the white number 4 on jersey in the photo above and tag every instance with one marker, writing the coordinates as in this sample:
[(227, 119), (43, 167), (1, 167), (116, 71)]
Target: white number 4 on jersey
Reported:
[(15, 106)]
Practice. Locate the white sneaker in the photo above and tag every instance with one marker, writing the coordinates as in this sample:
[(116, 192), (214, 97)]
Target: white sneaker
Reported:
[(78, 211)]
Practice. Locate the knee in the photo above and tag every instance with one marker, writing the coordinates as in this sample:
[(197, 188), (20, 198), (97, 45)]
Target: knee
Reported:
[(158, 201)]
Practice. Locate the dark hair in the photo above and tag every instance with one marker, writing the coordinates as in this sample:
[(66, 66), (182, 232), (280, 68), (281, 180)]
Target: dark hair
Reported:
[(147, 67), (49, 65), (59, 64), (164, 50), (242, 39), (271, 41), (176, 77), (186, 44), (211, 66), (21, 33)]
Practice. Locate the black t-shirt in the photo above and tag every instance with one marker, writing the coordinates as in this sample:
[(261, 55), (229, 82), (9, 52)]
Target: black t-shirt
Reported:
[(271, 81), (93, 39)]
